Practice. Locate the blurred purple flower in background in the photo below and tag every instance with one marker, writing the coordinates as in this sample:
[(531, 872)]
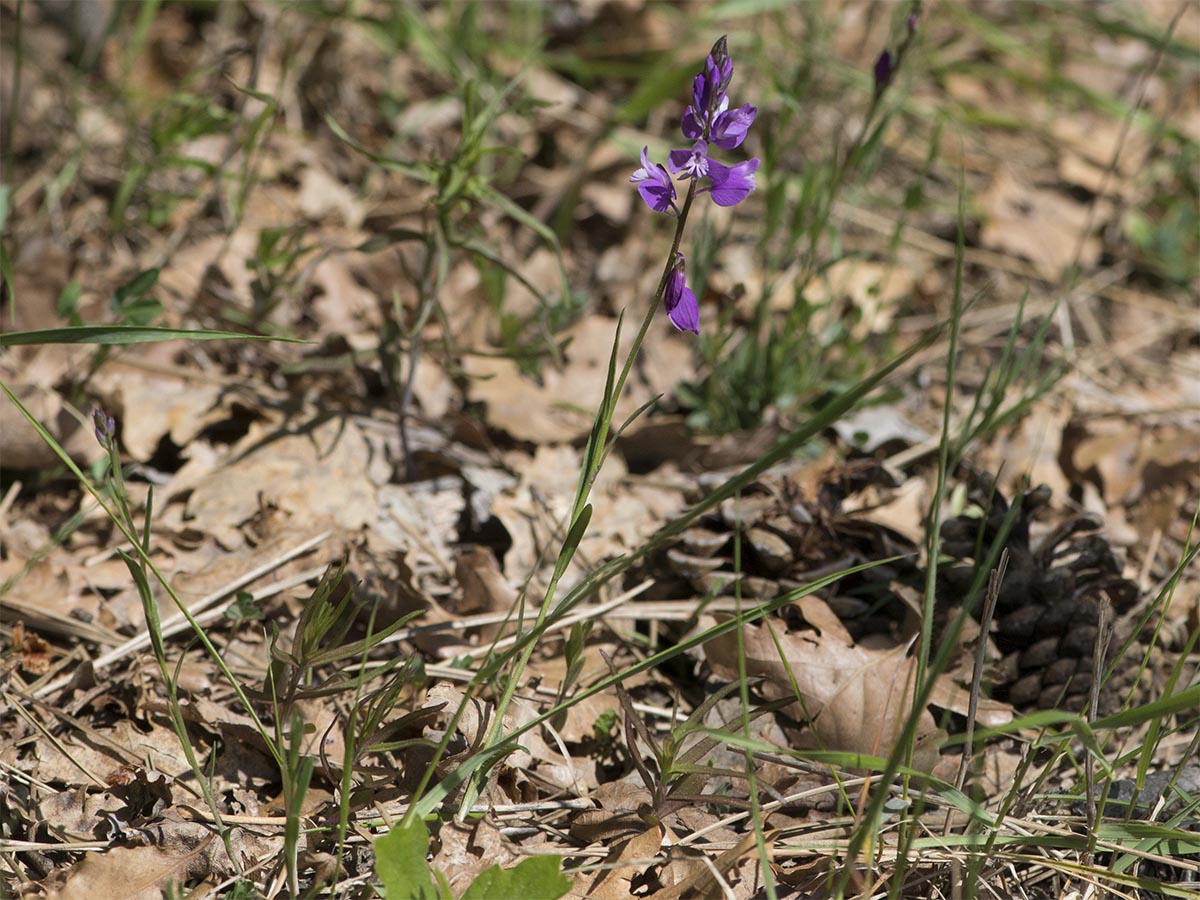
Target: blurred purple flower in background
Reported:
[(887, 63), (883, 71)]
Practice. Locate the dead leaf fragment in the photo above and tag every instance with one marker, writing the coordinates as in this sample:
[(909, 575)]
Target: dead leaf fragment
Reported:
[(855, 698), (1043, 226), (874, 289), (124, 873), (150, 405), (32, 651), (704, 878), (314, 474), (483, 586), (560, 407), (627, 859), (467, 848)]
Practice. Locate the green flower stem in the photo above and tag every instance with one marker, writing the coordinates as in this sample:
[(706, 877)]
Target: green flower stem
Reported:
[(586, 483), (597, 451)]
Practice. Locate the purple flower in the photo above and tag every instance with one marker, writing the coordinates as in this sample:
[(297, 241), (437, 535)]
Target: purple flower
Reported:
[(731, 184), (708, 122), (708, 93), (888, 62), (654, 184), (691, 163), (682, 307), (692, 125), (710, 86), (730, 127)]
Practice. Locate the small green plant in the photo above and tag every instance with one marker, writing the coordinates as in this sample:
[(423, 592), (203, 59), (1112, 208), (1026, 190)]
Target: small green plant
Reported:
[(113, 498), (133, 305), (405, 874), (1023, 373), (680, 772), (1165, 230), (459, 188), (773, 363), (276, 268), (179, 119)]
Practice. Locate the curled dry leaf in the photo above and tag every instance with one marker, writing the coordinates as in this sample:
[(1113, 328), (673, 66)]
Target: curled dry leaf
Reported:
[(1043, 226), (32, 652), (77, 814), (484, 589), (704, 878), (150, 405), (314, 475), (616, 815), (633, 855), (476, 718), (903, 511), (857, 699), (467, 848), (558, 407)]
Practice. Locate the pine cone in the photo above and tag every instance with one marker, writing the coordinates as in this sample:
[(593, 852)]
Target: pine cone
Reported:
[(789, 538), (1047, 615), (1049, 609)]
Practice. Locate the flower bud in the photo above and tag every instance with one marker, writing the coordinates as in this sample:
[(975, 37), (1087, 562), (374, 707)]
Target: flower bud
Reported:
[(106, 426), (884, 68)]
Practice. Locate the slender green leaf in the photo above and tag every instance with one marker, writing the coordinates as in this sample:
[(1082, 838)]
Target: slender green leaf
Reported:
[(389, 238), (571, 544), (128, 334), (521, 216), (420, 172), (134, 288)]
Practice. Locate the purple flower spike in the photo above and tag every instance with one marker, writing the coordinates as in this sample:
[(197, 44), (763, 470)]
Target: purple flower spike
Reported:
[(710, 86), (709, 122), (731, 184), (683, 309), (654, 184)]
